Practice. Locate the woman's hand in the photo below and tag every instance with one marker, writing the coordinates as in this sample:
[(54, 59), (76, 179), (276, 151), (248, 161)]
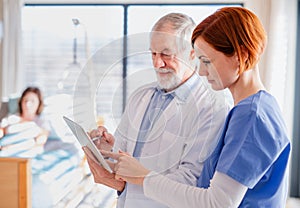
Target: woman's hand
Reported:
[(42, 138), (1, 132), (102, 139), (127, 168)]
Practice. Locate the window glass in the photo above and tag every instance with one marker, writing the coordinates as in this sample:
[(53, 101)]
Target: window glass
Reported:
[(81, 50), (59, 42), (140, 21)]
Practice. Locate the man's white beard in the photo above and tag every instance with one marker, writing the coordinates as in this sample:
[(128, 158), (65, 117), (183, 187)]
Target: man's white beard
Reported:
[(169, 82)]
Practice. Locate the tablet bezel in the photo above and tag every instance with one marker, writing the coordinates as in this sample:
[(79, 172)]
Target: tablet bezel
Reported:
[(85, 140)]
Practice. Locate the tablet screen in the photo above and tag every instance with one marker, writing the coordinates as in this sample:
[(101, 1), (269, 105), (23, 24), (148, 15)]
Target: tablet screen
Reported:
[(85, 140)]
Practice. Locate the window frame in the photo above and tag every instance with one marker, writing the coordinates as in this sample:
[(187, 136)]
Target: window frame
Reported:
[(125, 25)]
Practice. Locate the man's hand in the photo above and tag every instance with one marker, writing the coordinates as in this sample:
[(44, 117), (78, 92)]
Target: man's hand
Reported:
[(101, 175), (102, 139)]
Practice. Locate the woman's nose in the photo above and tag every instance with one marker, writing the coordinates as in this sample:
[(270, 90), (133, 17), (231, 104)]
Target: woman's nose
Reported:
[(28, 103), (202, 71)]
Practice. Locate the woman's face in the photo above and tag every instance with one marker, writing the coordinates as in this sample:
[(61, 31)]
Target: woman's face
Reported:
[(30, 103), (221, 71)]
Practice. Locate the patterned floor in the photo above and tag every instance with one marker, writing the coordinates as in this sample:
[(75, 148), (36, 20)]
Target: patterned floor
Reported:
[(88, 195), (293, 203)]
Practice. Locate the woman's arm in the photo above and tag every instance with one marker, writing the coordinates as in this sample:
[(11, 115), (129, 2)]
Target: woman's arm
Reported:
[(223, 190)]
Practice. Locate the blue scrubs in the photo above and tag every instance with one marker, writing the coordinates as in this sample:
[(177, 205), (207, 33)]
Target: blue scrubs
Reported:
[(254, 150)]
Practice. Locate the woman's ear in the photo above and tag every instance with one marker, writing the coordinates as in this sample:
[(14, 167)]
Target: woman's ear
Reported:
[(245, 54), (242, 59)]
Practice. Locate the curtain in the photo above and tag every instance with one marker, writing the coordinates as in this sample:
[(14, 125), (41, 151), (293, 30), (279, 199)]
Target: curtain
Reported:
[(281, 56), (279, 69), (277, 66), (12, 68)]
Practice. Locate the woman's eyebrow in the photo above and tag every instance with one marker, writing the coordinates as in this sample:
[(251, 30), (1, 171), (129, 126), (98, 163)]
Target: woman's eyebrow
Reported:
[(202, 56)]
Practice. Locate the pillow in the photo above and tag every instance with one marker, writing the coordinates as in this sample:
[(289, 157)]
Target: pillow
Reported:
[(13, 105), (57, 106), (3, 109)]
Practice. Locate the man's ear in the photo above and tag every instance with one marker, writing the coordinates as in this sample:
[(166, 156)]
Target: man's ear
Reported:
[(192, 54)]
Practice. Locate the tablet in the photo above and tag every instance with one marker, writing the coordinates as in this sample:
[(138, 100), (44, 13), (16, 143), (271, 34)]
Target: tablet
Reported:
[(85, 140)]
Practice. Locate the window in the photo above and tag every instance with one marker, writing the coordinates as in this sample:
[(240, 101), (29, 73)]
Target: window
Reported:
[(81, 50), (59, 41)]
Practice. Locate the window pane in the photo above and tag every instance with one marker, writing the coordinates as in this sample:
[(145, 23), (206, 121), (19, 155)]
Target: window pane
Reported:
[(58, 40), (140, 21), (82, 46)]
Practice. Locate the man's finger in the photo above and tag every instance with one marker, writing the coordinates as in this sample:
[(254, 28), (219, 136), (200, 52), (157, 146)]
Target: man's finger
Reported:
[(94, 133), (118, 177), (108, 137), (98, 138), (109, 154), (101, 130), (124, 153)]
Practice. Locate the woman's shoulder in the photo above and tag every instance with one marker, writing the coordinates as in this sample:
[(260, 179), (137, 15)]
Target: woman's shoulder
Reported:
[(261, 115), (258, 103), (260, 109)]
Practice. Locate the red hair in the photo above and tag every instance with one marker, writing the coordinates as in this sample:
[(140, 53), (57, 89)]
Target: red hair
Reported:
[(232, 30)]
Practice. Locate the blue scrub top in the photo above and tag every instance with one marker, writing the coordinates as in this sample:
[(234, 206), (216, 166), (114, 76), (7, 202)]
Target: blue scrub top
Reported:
[(254, 150)]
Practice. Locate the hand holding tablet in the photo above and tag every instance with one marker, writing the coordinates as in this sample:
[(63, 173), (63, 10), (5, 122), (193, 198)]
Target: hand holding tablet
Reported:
[(85, 140)]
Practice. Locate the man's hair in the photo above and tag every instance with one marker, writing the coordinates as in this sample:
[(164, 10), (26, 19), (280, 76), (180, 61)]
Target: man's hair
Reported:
[(182, 25)]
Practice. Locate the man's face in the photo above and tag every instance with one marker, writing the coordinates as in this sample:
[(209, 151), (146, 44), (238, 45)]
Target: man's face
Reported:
[(171, 65)]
